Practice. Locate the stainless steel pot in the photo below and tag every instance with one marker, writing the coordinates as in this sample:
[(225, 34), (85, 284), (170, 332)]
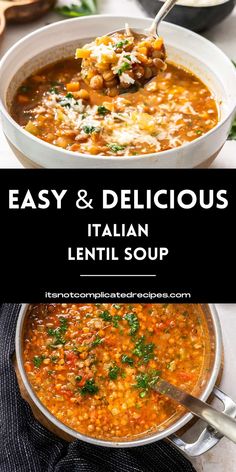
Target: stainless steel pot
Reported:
[(207, 438)]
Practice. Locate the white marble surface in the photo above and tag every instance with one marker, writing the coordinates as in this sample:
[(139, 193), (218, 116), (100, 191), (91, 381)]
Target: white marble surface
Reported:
[(223, 35)]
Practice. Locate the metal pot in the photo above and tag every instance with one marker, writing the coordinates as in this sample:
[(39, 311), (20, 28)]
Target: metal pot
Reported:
[(208, 437), (196, 18)]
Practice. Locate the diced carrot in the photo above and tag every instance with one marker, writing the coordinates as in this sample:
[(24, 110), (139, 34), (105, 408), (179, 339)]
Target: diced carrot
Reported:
[(73, 87), (31, 128), (158, 43), (74, 147), (103, 40), (23, 99), (82, 53), (84, 94), (143, 50), (145, 43), (109, 105), (28, 367)]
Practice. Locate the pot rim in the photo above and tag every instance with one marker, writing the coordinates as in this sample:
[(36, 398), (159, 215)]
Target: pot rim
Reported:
[(231, 109), (120, 444)]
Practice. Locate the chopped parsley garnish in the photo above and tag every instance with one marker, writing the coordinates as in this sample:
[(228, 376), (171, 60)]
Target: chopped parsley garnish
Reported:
[(133, 322), (105, 315), (124, 67), (126, 359), (121, 44), (198, 131), (145, 381), (90, 129), (116, 147), (128, 57), (64, 324), (115, 320), (37, 361), (57, 333), (98, 340), (117, 307), (89, 387), (171, 366), (114, 372), (68, 100), (142, 381), (143, 394), (103, 110), (78, 378), (54, 359), (65, 102), (232, 134), (54, 90), (144, 351)]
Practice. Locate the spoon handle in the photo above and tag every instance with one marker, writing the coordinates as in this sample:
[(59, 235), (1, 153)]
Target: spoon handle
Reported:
[(220, 421), (167, 6)]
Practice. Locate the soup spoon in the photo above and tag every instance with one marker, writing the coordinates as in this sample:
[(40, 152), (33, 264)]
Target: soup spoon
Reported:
[(221, 422), (153, 30)]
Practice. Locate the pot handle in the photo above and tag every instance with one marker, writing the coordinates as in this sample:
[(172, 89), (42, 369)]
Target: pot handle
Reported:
[(209, 437)]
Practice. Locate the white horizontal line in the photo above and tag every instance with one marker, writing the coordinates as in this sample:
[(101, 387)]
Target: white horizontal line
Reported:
[(117, 275)]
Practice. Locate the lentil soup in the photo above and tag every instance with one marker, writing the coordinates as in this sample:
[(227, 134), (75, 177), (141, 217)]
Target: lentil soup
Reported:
[(117, 62), (93, 366), (57, 105)]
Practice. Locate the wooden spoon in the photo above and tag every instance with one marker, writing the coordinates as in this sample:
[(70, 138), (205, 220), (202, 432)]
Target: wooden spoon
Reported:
[(22, 10)]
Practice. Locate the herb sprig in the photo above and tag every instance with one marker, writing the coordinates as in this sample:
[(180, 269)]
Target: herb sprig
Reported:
[(133, 322), (70, 9), (145, 351), (58, 333)]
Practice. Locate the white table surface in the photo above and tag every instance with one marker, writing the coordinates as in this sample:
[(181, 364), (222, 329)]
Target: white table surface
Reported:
[(223, 35), (222, 457)]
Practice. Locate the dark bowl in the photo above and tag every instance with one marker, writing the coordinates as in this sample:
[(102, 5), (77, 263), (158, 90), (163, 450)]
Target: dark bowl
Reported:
[(194, 18)]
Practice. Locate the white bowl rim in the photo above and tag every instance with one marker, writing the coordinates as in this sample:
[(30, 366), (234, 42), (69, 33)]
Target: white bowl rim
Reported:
[(98, 157)]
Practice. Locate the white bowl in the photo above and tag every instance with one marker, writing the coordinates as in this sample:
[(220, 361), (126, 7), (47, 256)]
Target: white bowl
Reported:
[(60, 39)]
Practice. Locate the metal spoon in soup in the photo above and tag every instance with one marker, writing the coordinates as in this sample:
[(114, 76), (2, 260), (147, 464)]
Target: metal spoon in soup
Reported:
[(124, 59)]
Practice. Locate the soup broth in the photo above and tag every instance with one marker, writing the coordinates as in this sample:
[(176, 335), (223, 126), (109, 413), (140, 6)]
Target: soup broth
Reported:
[(59, 107), (93, 366)]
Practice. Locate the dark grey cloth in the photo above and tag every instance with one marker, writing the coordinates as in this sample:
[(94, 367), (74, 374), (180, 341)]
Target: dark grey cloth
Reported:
[(26, 446)]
